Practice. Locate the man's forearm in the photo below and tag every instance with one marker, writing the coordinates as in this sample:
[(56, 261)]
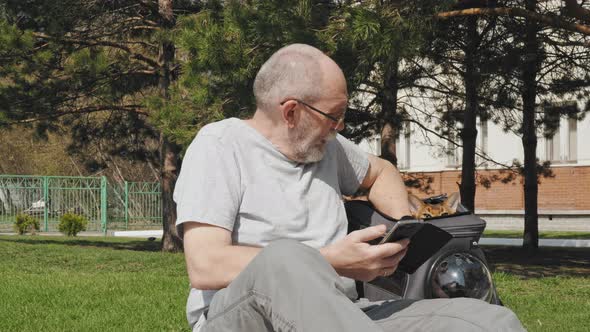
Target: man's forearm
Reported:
[(217, 267), (225, 264), (352, 257), (211, 259), (210, 273), (388, 193)]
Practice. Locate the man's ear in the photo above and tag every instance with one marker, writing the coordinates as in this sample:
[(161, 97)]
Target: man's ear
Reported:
[(289, 115)]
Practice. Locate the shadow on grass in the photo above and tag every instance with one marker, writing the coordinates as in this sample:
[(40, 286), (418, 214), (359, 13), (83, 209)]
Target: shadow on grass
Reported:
[(136, 245), (548, 262)]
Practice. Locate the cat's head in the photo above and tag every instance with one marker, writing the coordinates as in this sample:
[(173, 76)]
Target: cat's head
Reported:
[(422, 210)]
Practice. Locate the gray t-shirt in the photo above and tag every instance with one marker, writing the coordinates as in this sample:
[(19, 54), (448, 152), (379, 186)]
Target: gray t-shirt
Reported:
[(233, 177)]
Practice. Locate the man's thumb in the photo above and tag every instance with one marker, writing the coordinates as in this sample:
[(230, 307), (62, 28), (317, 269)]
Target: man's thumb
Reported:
[(369, 233)]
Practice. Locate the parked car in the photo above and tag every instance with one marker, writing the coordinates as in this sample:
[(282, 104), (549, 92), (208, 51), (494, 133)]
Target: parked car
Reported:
[(37, 209)]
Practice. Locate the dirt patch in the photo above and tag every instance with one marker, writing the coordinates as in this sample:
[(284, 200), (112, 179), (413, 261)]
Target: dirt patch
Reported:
[(547, 262)]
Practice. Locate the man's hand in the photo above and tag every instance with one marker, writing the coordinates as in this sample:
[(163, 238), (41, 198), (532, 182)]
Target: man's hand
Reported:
[(353, 257)]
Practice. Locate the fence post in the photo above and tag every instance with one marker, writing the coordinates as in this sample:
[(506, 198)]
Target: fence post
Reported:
[(103, 204), (46, 202), (126, 205)]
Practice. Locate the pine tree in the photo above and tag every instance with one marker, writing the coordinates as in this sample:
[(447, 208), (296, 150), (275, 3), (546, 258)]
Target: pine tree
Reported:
[(545, 61), (89, 66), (372, 41)]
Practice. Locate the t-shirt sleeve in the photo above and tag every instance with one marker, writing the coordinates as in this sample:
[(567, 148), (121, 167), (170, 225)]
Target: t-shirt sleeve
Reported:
[(208, 187), (353, 164)]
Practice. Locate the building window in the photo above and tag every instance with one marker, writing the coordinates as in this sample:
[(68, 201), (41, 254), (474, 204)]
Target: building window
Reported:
[(562, 145), (403, 146), (482, 141), (374, 145), (572, 139), (454, 152), (454, 155), (552, 147)]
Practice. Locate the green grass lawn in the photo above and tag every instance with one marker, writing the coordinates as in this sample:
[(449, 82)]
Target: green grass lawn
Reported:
[(549, 291), (547, 304), (112, 284), (90, 284)]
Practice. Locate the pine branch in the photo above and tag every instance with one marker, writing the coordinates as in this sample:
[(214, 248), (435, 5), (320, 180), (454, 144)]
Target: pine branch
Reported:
[(550, 20), (136, 109), (483, 156), (574, 9), (134, 55)]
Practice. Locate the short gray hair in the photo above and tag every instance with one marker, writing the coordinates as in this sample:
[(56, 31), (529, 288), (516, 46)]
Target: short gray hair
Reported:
[(294, 71)]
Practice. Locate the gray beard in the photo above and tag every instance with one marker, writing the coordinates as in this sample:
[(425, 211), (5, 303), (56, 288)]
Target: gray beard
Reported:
[(307, 151), (309, 154)]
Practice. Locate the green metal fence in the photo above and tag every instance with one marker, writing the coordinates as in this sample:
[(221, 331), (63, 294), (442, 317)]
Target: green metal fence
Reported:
[(135, 205), (130, 205)]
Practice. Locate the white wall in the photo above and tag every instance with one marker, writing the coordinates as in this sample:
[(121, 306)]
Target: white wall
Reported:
[(427, 151), (584, 141)]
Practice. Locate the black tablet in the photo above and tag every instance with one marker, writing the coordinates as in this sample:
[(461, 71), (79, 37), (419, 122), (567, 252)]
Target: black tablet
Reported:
[(401, 230), (425, 240)]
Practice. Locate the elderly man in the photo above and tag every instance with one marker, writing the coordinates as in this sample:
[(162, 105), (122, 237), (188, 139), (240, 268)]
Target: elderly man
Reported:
[(264, 223)]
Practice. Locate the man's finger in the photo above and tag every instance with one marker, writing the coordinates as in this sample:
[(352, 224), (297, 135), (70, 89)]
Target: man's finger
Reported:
[(393, 261), (390, 248), (368, 234)]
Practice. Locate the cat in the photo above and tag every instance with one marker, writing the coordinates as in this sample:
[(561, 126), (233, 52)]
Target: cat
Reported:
[(422, 210)]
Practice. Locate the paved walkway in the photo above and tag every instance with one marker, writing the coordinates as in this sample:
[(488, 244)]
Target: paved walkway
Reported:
[(569, 243), (516, 223)]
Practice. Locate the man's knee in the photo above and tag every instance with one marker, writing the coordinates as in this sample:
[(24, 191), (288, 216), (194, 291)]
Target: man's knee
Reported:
[(290, 255), (284, 246), (507, 320), (460, 314), (479, 313), (291, 260), (488, 317)]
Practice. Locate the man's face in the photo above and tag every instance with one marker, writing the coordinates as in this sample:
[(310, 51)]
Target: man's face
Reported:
[(309, 143), (318, 123), (310, 137)]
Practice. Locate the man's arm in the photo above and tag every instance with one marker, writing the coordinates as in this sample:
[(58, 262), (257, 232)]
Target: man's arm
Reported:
[(212, 260), (387, 191)]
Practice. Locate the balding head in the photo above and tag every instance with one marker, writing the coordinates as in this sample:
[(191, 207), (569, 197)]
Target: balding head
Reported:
[(287, 85), (294, 71)]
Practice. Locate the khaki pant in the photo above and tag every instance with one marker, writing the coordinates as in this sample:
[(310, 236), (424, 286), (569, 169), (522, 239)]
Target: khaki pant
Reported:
[(291, 287)]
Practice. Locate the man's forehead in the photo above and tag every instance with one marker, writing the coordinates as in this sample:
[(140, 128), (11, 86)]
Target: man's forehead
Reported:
[(334, 89), (337, 104), (336, 96)]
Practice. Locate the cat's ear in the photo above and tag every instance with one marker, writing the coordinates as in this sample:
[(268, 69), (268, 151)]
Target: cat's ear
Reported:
[(453, 201), (415, 203)]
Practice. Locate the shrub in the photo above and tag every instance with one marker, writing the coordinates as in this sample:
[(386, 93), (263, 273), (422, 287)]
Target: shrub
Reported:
[(71, 224), (26, 223)]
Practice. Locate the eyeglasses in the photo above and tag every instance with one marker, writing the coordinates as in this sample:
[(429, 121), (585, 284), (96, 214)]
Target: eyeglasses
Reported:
[(336, 120)]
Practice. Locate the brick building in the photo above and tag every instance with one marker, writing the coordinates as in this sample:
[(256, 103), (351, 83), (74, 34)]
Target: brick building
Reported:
[(564, 199)]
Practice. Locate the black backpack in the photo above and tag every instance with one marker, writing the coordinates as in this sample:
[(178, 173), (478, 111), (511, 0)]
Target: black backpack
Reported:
[(459, 269)]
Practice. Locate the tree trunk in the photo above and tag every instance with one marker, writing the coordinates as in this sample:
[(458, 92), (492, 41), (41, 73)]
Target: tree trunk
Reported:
[(169, 151), (469, 131), (171, 165), (390, 120), (529, 137)]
